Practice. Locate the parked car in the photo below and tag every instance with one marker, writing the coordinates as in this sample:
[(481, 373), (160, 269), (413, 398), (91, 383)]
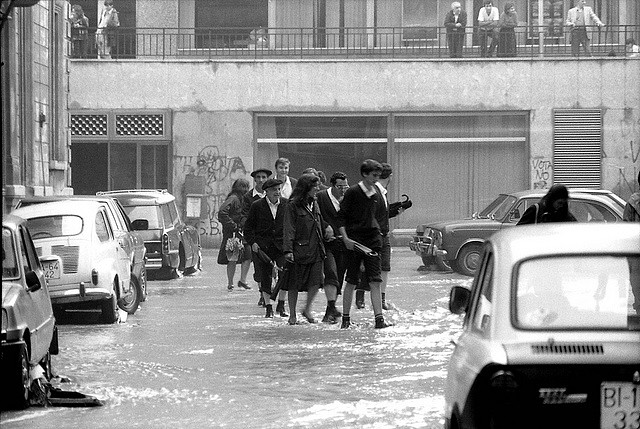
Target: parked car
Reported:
[(95, 269), (456, 244), (29, 333), (171, 244), (550, 338), (125, 232)]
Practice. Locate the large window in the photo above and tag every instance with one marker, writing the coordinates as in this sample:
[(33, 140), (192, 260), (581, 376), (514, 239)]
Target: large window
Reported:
[(228, 23)]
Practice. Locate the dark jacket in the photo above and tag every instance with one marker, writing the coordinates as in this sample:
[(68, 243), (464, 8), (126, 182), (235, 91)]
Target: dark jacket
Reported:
[(538, 214), (260, 226), (327, 210), (304, 233), (450, 22), (247, 200), (230, 214)]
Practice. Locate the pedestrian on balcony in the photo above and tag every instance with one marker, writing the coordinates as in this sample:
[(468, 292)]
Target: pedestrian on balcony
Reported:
[(230, 217), (455, 23), (632, 50), (581, 19), (282, 173), (488, 18), (79, 32), (106, 32), (507, 36), (303, 244), (263, 231), (553, 207)]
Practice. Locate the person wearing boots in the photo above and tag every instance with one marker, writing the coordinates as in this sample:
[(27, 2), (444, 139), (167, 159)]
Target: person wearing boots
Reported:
[(263, 232), (334, 263), (359, 210), (259, 177), (304, 234)]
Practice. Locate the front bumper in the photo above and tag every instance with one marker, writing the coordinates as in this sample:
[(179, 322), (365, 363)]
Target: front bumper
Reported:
[(424, 246)]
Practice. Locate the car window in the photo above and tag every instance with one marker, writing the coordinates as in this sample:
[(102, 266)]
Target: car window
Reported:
[(116, 219), (520, 208), (587, 211), (27, 245), (175, 218), (482, 315), (123, 214), (575, 292), (55, 226), (166, 215), (150, 213), (10, 268), (102, 228)]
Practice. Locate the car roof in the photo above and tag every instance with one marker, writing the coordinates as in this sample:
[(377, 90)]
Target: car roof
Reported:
[(79, 207), (541, 192), (527, 241), (140, 197), (51, 198)]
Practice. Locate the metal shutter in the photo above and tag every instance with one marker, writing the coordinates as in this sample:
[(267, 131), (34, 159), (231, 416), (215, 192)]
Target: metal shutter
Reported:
[(577, 147)]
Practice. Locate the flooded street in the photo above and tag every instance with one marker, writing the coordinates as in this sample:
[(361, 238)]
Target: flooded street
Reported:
[(195, 355)]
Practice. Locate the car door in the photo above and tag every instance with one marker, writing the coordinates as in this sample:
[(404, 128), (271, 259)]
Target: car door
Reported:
[(122, 236), (39, 314), (108, 249), (186, 236)]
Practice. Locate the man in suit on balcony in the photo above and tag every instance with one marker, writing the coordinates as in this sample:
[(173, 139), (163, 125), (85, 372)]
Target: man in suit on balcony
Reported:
[(455, 23), (580, 18)]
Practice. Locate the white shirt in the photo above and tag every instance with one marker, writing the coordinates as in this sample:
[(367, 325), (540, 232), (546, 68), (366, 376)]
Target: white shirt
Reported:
[(260, 194), (368, 192), (286, 188), (334, 200), (484, 16), (273, 207), (383, 191)]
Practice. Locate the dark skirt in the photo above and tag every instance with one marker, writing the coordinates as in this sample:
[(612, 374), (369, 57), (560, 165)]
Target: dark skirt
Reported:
[(304, 275), (222, 252), (507, 42)]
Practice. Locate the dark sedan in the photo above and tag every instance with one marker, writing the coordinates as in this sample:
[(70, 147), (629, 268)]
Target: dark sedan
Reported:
[(456, 244)]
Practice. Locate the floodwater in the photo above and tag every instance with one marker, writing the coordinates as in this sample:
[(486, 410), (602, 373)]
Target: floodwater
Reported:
[(195, 355)]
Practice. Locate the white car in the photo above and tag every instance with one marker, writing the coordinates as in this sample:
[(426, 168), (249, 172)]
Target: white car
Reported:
[(95, 270), (551, 334)]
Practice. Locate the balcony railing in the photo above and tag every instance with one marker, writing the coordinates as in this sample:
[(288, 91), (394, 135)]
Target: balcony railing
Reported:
[(360, 42)]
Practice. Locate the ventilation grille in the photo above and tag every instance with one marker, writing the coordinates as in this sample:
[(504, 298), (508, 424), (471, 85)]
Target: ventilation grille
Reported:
[(88, 125), (568, 349), (577, 148), (140, 125), (69, 256)]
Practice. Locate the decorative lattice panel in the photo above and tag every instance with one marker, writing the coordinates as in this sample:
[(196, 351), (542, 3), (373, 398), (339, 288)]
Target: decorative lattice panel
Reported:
[(140, 125), (88, 125)]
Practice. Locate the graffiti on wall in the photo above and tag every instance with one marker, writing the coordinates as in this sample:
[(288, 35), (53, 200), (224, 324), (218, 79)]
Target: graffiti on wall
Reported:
[(541, 169), (219, 172)]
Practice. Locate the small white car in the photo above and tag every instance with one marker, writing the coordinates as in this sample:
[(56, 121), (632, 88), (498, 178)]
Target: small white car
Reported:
[(551, 334), (29, 333), (95, 270)]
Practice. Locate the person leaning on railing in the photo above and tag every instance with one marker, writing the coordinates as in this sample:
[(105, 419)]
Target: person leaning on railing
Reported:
[(579, 18), (507, 37)]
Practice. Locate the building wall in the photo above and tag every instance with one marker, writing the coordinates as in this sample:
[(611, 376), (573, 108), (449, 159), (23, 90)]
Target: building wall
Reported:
[(213, 104)]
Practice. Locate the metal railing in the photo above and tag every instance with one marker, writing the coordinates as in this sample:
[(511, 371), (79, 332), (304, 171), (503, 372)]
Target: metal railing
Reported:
[(355, 42)]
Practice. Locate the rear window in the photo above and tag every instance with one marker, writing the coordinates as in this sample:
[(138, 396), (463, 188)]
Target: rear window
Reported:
[(576, 292), (10, 268), (150, 213), (55, 226)]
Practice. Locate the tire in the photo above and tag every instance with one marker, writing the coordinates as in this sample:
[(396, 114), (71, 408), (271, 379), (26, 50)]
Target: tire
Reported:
[(109, 310), (46, 366), (131, 301), (17, 382), (442, 264), (468, 259), (182, 263)]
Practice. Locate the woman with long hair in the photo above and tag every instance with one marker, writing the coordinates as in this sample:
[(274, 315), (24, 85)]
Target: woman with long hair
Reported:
[(230, 215), (552, 207), (507, 36), (304, 233)]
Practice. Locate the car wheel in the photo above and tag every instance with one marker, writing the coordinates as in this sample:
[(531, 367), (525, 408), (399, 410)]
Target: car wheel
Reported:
[(468, 259), (130, 302), (45, 363), (109, 310), (442, 264), (17, 380), (182, 263)]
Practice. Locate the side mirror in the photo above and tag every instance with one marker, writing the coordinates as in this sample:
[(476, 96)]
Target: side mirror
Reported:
[(459, 299), (33, 282), (140, 225)]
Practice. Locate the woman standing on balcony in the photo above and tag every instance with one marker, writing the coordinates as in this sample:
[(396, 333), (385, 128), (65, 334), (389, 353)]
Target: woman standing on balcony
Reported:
[(105, 37), (507, 38)]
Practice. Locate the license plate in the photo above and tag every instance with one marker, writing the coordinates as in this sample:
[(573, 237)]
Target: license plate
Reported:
[(619, 406), (51, 269)]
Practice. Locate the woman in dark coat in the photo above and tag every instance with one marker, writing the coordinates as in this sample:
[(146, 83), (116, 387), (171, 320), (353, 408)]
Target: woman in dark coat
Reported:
[(230, 215), (304, 233), (553, 207), (507, 36)]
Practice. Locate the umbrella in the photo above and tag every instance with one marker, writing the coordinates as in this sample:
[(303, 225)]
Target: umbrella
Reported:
[(282, 280), (364, 249)]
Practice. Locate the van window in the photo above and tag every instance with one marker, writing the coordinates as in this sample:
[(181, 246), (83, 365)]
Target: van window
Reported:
[(175, 218), (166, 214)]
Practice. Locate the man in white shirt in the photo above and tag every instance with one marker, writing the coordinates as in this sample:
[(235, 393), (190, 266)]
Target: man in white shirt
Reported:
[(580, 19), (488, 18), (282, 173)]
